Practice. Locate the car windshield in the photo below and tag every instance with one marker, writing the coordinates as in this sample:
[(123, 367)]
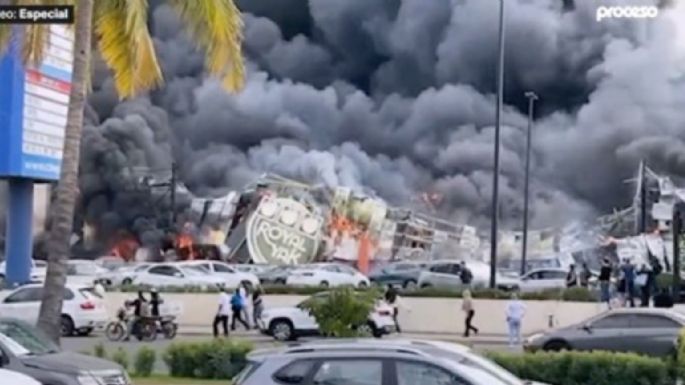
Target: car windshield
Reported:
[(474, 360), (24, 340), (195, 270)]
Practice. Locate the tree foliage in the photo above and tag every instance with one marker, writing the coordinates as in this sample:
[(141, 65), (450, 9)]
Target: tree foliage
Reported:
[(341, 311)]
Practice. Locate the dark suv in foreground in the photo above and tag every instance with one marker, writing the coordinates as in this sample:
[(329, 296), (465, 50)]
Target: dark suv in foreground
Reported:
[(25, 349)]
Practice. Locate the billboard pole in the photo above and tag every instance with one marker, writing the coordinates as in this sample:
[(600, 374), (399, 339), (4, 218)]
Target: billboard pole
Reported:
[(19, 244)]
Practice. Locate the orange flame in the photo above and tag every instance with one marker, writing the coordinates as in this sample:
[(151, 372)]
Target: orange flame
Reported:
[(184, 244), (125, 248)]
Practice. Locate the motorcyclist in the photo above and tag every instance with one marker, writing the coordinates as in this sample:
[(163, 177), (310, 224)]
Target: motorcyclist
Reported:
[(140, 305), (155, 301)]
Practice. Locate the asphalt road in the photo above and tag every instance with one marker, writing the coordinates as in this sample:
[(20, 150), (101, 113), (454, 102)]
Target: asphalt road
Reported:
[(87, 344)]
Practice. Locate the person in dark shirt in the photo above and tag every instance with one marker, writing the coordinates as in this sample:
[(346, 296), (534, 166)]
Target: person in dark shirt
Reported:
[(155, 301), (605, 281), (628, 270), (466, 276), (138, 311), (572, 277)]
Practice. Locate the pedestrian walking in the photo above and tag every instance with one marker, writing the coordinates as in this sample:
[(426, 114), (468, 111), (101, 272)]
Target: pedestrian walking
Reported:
[(246, 294), (222, 313), (628, 271), (645, 281), (605, 281), (238, 308), (392, 298), (470, 312), (515, 312), (257, 306), (571, 277)]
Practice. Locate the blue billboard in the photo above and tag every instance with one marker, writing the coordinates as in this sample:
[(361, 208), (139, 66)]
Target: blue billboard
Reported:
[(33, 109)]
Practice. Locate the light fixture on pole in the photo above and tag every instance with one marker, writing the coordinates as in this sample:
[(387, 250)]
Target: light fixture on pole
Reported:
[(495, 171), (529, 134)]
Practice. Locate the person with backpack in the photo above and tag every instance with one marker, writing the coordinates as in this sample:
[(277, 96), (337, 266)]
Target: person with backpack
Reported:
[(238, 307)]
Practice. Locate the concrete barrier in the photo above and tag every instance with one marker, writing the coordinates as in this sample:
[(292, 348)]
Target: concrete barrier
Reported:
[(417, 315)]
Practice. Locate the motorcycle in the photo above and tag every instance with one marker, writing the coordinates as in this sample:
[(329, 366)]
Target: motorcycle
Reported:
[(145, 329), (167, 326)]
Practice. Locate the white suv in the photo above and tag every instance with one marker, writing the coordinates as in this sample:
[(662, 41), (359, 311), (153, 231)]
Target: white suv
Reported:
[(83, 309), (289, 323)]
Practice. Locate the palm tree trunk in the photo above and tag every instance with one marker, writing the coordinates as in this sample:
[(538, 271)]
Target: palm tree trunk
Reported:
[(62, 209)]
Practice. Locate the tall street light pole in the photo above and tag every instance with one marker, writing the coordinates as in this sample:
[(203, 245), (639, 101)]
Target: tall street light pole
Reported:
[(495, 171), (524, 248)]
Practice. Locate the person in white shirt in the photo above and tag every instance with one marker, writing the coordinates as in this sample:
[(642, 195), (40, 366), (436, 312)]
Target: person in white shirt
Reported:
[(223, 313), (515, 312)]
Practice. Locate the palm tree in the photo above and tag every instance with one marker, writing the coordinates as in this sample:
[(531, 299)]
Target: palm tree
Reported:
[(123, 39)]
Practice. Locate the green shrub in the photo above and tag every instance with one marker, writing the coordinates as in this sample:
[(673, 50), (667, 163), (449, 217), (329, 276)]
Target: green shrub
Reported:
[(577, 294), (218, 359), (99, 350), (144, 362), (121, 358), (342, 310), (587, 368)]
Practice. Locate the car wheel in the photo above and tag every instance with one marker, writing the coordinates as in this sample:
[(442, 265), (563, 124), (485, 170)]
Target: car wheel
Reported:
[(248, 285), (66, 326), (409, 284), (363, 284), (426, 285), (556, 346), (85, 332), (279, 281), (282, 330), (127, 281), (324, 284), (366, 330)]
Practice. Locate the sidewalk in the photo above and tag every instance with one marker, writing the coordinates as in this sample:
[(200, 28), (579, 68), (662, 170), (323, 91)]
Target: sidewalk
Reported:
[(481, 339)]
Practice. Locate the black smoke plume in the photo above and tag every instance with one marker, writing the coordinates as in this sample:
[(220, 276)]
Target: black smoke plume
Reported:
[(394, 98)]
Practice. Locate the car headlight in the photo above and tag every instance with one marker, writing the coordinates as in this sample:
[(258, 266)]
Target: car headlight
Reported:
[(86, 379)]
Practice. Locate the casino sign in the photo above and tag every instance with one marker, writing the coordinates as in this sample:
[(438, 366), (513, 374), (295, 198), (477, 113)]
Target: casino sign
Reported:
[(283, 231)]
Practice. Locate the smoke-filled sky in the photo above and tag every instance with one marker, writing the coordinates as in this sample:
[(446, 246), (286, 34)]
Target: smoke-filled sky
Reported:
[(396, 97)]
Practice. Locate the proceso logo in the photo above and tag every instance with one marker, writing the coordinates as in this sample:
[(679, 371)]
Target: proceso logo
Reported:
[(628, 12)]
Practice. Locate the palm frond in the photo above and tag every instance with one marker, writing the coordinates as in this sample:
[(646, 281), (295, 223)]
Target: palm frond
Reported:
[(216, 26), (35, 43), (126, 46), (5, 36)]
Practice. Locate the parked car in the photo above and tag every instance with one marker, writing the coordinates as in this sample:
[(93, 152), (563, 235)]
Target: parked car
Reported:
[(83, 309), (230, 276), (25, 349), (276, 275), (354, 365), (16, 378), (111, 263), (251, 268), (451, 351), (39, 270), (169, 274), (543, 279), (446, 274), (403, 274), (83, 272), (122, 275), (648, 331), (289, 323), (327, 275)]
